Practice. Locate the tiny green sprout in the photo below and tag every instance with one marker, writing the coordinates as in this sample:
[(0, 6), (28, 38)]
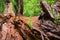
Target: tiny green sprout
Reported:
[(56, 21), (30, 22)]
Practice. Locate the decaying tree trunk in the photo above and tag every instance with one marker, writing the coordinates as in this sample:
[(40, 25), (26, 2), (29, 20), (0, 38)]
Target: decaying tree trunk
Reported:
[(17, 28)]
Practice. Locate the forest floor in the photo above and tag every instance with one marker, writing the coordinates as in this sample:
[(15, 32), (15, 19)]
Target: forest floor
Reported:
[(17, 28)]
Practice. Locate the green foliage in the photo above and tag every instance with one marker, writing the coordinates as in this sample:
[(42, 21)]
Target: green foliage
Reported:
[(51, 1), (31, 7), (2, 6)]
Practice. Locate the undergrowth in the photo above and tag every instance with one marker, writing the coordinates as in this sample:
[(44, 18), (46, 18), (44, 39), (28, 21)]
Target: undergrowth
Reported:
[(2, 6), (32, 8)]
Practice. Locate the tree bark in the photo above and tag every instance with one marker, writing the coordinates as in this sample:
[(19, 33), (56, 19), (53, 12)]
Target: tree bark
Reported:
[(21, 7)]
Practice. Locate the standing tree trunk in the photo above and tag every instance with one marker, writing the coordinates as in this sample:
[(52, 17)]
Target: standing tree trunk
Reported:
[(17, 4), (21, 7)]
